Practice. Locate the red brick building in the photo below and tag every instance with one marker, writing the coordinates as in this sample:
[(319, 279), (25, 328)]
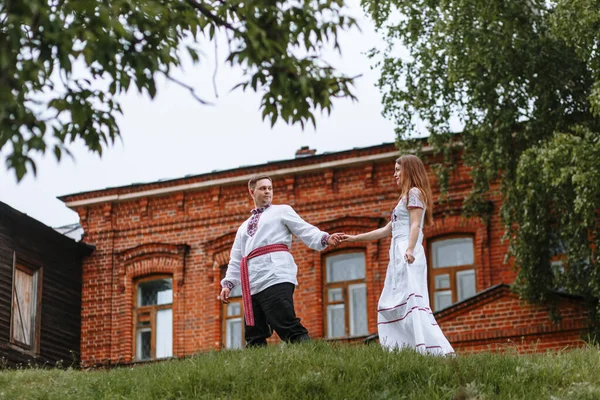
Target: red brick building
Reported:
[(150, 288)]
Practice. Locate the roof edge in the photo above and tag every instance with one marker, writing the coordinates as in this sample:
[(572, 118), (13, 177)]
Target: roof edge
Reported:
[(85, 248), (65, 197), (275, 172), (491, 294)]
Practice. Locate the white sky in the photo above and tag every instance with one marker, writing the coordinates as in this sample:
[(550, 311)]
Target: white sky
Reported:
[(173, 135)]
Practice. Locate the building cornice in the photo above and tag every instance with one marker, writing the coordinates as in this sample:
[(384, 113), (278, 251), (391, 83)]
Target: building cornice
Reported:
[(115, 198)]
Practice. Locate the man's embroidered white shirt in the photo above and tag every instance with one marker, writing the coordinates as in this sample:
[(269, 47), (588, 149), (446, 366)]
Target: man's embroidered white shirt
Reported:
[(276, 225)]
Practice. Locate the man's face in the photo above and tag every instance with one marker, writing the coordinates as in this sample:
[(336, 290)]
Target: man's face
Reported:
[(262, 193), (398, 173)]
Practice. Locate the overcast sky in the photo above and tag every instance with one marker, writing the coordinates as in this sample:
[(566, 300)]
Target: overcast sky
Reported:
[(173, 135)]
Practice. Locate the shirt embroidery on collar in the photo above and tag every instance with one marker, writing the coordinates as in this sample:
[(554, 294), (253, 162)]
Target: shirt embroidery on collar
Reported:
[(253, 223)]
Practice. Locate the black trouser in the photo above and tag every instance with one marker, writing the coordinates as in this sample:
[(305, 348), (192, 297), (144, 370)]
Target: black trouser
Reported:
[(274, 310)]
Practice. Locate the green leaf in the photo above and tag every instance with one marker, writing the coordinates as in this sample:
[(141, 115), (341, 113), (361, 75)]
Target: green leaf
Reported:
[(530, 122), (124, 43)]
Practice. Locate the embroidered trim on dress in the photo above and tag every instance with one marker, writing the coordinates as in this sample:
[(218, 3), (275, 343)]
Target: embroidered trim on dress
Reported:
[(435, 347), (400, 305), (414, 201), (427, 310)]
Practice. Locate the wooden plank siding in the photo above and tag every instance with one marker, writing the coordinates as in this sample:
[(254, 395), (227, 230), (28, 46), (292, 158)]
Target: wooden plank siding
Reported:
[(59, 257)]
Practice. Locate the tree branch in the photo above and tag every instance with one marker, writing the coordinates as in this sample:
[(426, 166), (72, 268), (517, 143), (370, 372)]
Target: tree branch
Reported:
[(214, 78), (191, 89), (206, 12)]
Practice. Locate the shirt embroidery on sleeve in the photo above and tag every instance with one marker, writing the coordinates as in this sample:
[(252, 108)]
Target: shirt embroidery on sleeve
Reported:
[(227, 284), (325, 239)]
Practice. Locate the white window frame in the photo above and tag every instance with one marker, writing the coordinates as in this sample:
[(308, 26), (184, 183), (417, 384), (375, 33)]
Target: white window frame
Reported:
[(346, 286), (149, 313)]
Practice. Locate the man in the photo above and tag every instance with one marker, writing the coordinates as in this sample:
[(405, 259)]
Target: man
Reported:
[(261, 263)]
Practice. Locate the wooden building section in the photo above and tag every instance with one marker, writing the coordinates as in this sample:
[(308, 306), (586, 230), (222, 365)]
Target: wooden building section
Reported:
[(150, 287), (40, 291)]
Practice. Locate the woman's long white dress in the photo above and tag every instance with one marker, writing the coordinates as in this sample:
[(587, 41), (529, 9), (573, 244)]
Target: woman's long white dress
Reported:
[(404, 318)]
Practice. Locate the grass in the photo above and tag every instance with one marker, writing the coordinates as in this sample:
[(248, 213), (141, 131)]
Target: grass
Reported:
[(321, 370)]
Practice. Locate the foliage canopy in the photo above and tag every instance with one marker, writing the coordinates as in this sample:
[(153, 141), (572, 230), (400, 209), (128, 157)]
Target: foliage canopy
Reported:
[(523, 78), (46, 104)]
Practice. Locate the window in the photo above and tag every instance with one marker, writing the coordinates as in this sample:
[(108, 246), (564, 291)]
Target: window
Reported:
[(345, 296), (26, 302), (153, 318), (452, 273), (233, 319), (233, 332)]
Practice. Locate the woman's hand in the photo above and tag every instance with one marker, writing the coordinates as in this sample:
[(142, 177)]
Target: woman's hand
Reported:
[(409, 257), (348, 238)]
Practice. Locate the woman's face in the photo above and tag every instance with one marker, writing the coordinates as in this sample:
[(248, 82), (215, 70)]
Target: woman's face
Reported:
[(398, 173)]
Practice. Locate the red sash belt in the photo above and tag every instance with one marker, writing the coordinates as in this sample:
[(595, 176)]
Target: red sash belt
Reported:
[(246, 296)]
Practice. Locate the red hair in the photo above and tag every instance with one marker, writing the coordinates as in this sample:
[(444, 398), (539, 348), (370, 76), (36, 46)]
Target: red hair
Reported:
[(414, 175)]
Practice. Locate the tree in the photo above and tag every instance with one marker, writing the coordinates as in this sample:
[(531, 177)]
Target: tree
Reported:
[(46, 104), (523, 77)]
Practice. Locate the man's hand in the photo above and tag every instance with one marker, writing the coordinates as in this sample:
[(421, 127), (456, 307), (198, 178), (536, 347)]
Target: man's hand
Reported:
[(334, 239), (224, 297)]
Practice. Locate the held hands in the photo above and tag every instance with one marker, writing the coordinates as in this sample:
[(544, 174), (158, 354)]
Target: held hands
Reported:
[(334, 239), (224, 297), (408, 256)]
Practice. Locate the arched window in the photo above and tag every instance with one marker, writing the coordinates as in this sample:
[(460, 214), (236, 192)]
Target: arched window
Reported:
[(233, 318), (345, 295), (452, 270), (153, 317)]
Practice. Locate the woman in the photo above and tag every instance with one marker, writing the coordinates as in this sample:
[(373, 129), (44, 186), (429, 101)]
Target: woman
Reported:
[(404, 318)]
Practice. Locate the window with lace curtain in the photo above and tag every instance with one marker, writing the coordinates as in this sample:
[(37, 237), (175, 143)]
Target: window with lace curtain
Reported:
[(345, 295), (153, 318), (233, 318), (452, 271)]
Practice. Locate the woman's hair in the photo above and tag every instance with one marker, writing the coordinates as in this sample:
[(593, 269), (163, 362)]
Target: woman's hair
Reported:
[(414, 175)]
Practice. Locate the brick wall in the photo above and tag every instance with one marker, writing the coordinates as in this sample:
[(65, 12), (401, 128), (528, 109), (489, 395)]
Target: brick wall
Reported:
[(496, 320), (188, 233)]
